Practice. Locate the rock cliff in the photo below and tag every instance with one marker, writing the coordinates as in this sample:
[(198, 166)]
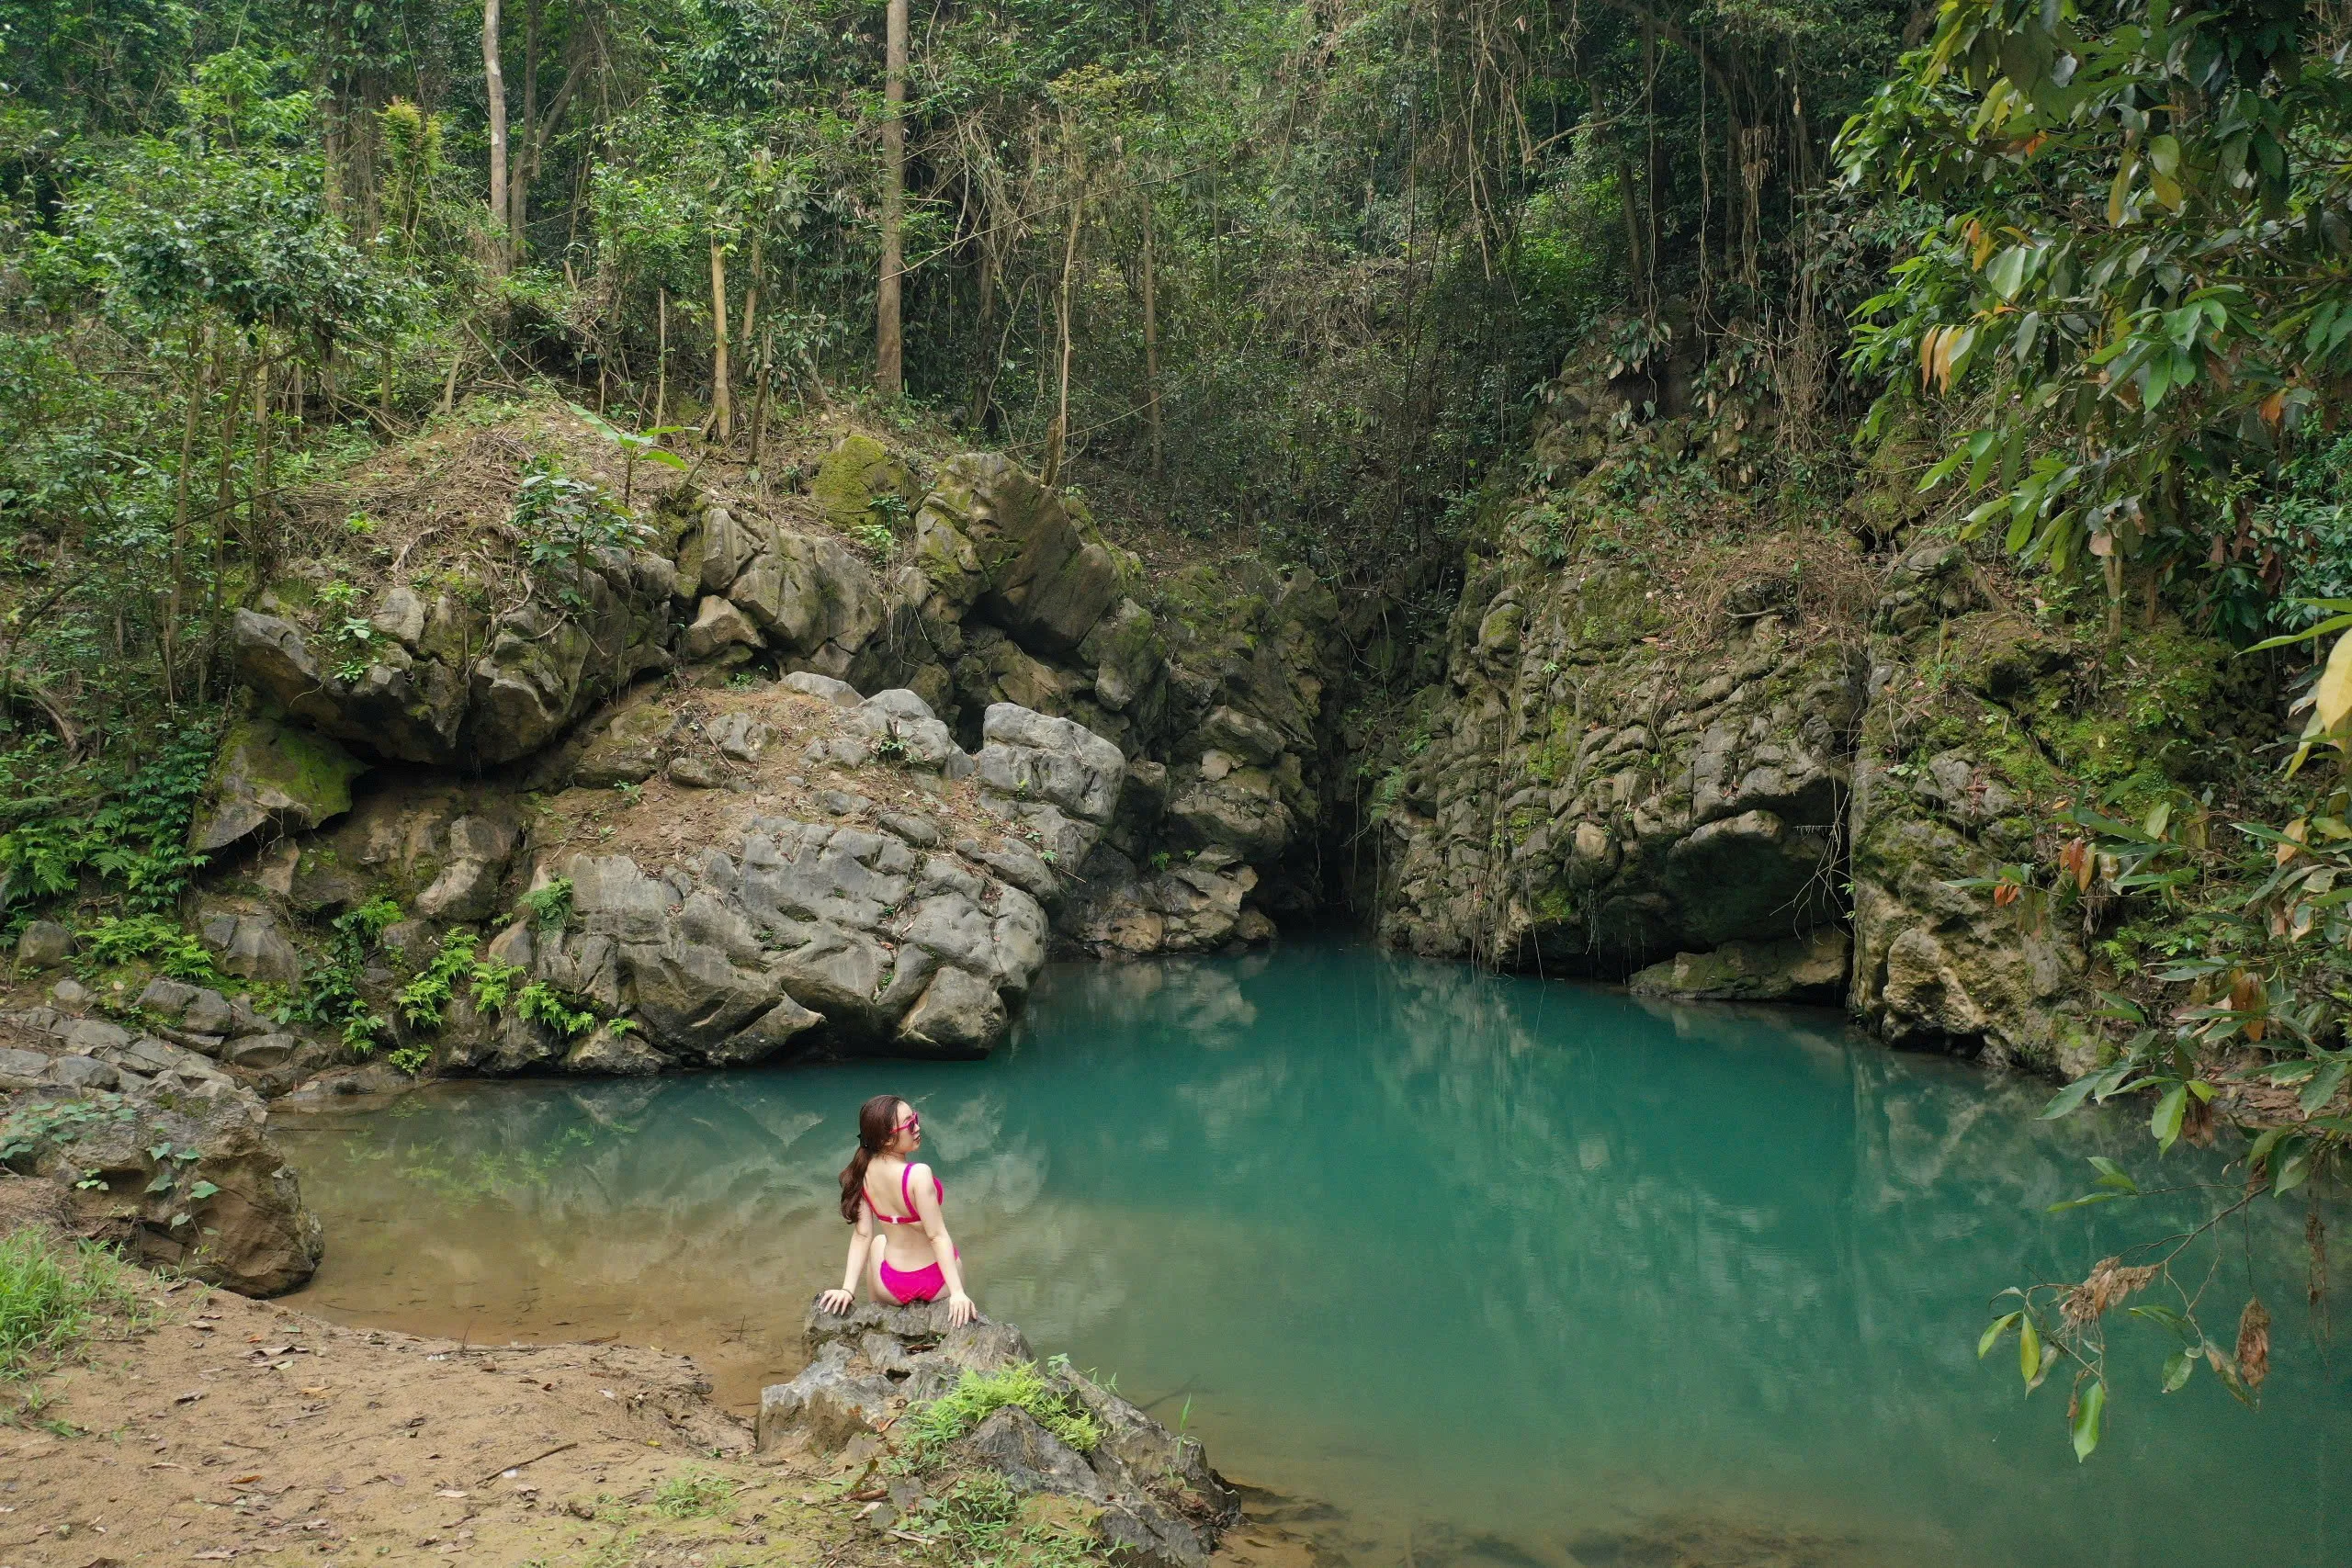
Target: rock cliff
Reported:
[(1688, 735), (712, 771)]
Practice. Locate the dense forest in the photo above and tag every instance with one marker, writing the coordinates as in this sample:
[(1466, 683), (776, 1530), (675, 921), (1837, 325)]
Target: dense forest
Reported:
[(1294, 280)]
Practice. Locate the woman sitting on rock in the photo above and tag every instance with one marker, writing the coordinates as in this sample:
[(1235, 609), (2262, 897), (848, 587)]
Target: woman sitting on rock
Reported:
[(915, 1259)]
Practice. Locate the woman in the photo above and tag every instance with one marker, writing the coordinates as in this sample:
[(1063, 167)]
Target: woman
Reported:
[(914, 1260)]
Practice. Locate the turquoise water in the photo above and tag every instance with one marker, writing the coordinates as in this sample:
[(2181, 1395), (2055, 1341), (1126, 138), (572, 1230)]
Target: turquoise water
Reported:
[(1505, 1271)]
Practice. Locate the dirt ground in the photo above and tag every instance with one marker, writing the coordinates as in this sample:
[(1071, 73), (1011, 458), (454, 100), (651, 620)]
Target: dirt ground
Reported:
[(224, 1429)]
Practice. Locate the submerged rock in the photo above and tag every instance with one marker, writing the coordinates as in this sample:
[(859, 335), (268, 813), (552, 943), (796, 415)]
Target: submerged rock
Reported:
[(1148, 1495), (1797, 969)]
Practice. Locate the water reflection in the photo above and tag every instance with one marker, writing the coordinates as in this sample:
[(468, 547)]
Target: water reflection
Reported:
[(1492, 1262)]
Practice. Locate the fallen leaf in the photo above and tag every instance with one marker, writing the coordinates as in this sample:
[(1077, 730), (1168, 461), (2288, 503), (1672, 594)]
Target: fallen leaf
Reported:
[(444, 1492), (244, 1480), (190, 1398), (319, 1390)]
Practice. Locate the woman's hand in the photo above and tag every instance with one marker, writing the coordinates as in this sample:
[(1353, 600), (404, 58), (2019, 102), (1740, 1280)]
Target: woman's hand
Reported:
[(960, 1310), (836, 1302)]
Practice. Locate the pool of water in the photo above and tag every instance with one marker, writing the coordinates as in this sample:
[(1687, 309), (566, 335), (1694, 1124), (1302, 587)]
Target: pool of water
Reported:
[(1505, 1271)]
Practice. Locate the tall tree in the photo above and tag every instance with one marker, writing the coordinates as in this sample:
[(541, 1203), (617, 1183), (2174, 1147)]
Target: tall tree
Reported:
[(888, 336), (495, 89)]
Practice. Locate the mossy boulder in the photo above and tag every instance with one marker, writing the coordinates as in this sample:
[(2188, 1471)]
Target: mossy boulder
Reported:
[(851, 477), (268, 775)]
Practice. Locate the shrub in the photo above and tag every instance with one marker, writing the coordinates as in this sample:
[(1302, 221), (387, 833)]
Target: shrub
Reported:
[(550, 906), (542, 1003), (127, 939)]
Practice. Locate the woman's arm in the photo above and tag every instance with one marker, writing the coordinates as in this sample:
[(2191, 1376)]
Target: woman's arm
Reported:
[(924, 1191), (860, 1241)]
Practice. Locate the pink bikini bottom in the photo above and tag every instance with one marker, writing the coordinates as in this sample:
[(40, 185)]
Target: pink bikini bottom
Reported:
[(905, 1287)]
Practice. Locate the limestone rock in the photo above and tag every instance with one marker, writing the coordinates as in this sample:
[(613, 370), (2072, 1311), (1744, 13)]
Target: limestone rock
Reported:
[(251, 945), (629, 750), (1809, 968), (841, 694), (1192, 906), (740, 737), (468, 687), (780, 929), (1241, 810), (852, 474), (614, 1053), (1148, 1495), (1577, 800), (904, 731), (1028, 756), (270, 775), (1251, 738), (1044, 582), (234, 1216), (400, 615), (718, 624), (1125, 649), (45, 944)]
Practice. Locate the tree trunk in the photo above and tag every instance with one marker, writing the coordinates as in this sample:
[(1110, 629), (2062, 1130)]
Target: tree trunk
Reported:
[(494, 88), (518, 181), (984, 377), (1058, 433), (200, 389), (661, 358), (888, 346), (721, 405), (1150, 334), (760, 398), (223, 494)]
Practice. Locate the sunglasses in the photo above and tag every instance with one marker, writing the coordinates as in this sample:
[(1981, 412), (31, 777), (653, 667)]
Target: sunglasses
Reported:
[(914, 1124)]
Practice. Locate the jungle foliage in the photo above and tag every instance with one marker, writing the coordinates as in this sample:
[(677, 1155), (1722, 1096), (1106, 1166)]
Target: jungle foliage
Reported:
[(2134, 304)]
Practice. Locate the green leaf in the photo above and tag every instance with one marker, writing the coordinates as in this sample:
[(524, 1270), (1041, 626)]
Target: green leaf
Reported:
[(163, 1182), (2322, 1088), (2007, 271), (2029, 1352), (2177, 1365), (2067, 1099), (2087, 1412), (2166, 1121), (2084, 1201), (2295, 1169), (2113, 1174), (2001, 1326), (202, 1191)]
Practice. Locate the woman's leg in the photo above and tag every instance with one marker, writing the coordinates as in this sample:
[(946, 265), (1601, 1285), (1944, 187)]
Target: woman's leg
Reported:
[(874, 1279)]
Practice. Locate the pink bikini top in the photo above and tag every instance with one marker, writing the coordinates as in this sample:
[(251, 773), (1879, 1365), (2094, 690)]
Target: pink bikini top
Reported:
[(906, 1173)]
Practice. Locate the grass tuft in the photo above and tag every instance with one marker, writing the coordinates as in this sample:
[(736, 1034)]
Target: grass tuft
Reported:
[(52, 1294), (696, 1492), (978, 1395)]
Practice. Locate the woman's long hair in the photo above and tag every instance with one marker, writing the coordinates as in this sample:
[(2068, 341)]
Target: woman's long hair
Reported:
[(877, 1118)]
